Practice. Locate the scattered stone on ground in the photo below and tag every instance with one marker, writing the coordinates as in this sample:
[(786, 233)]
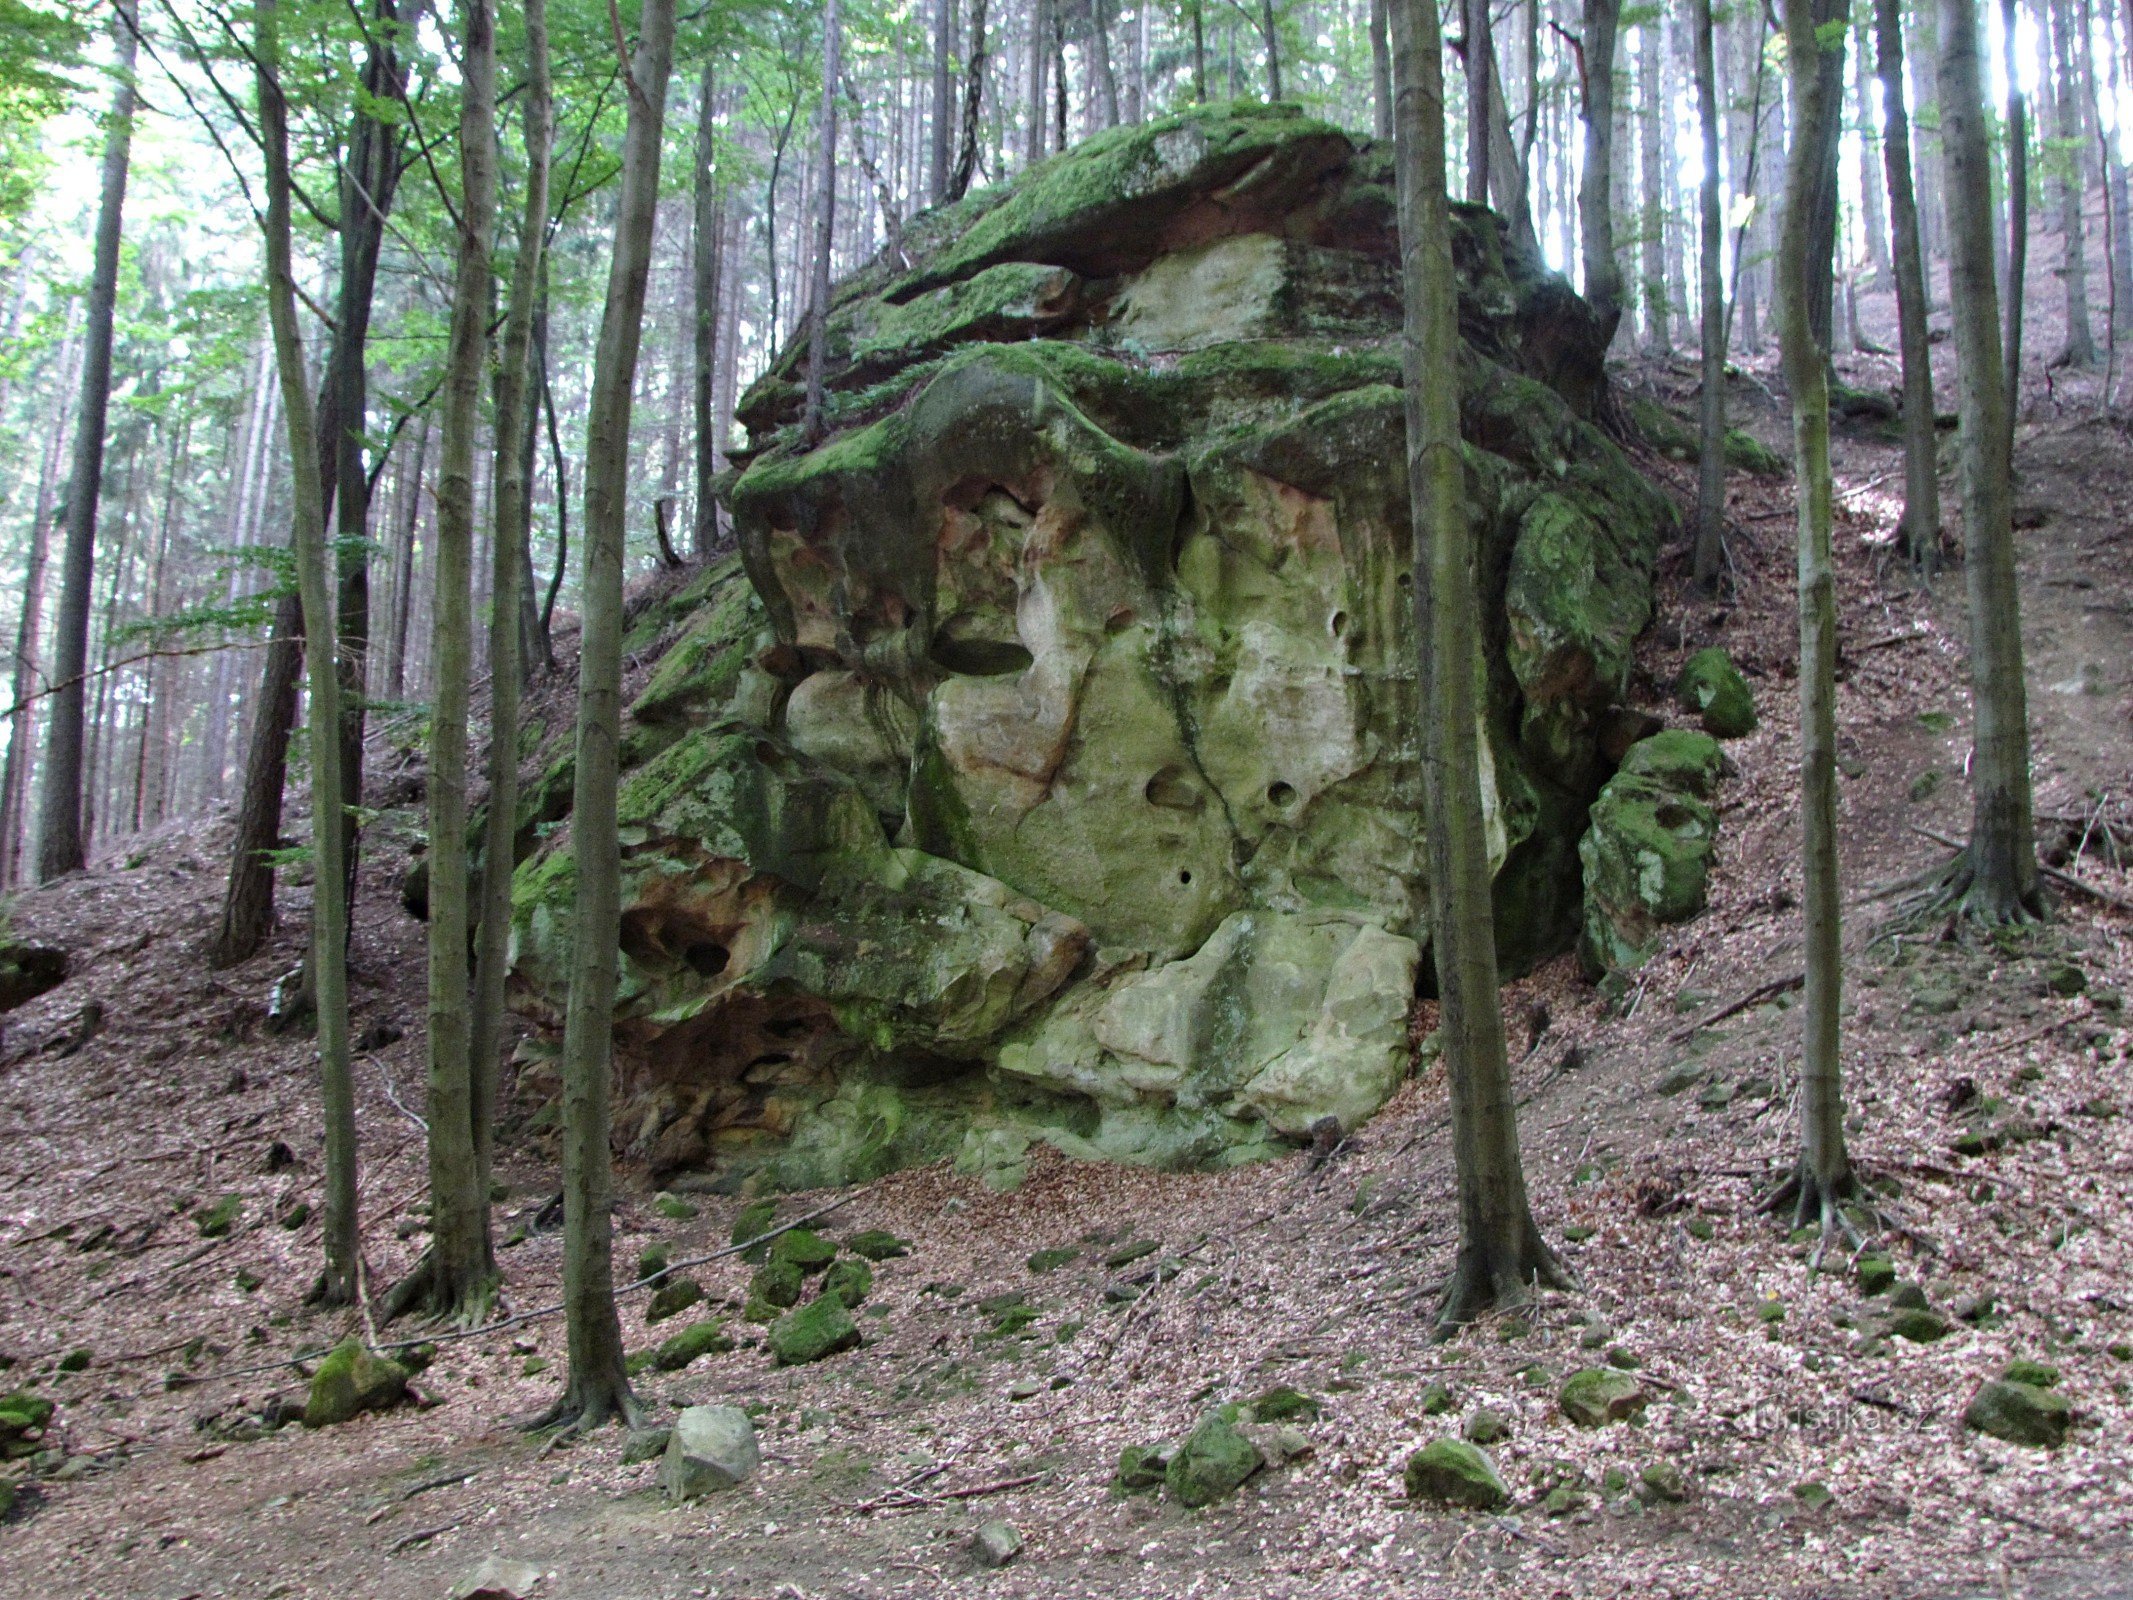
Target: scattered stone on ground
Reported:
[(711, 1448)]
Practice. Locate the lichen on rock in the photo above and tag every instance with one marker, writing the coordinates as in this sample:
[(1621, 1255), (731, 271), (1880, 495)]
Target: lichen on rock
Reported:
[(1047, 769)]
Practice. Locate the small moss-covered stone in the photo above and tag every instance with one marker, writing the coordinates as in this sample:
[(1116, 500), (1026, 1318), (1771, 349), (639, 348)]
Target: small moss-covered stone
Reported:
[(697, 1339), (644, 1444), (672, 1298), (777, 1283), (823, 1327), (2035, 1373), (1711, 685), (878, 1244), (1487, 1427), (2020, 1413), (217, 1221), (1664, 1481), (756, 1218), (1874, 1274), (1436, 1399), (1140, 1468), (803, 1248), (653, 1258), (1814, 1496), (1283, 1404), (1596, 1396), (349, 1381), (76, 1360), (673, 1207), (2064, 978), (1126, 1255), (1053, 1259), (1453, 1472), (1213, 1462), (1918, 1325), (23, 1419), (1682, 759), (850, 1280)]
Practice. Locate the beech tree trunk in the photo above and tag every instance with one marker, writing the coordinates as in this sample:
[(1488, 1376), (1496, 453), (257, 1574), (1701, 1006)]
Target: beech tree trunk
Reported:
[(825, 221), (329, 912), (62, 844), (1380, 72), (598, 1389), (1479, 59), (1997, 877), (1919, 531), (942, 123), (1711, 453), (706, 248), (1823, 1176), (514, 418), (966, 161), (2017, 219), (1596, 213), (1501, 1253), (460, 1267)]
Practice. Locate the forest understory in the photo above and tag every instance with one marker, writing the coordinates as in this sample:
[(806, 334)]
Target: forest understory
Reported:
[(1816, 1454)]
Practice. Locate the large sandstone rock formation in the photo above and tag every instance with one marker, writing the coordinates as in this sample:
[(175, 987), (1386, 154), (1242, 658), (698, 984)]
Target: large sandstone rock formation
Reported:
[(1045, 766)]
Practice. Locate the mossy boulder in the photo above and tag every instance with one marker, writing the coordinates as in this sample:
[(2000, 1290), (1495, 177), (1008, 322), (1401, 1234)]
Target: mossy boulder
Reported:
[(697, 1339), (803, 1248), (823, 1327), (672, 1298), (1046, 771), (1453, 1472), (1647, 851), (777, 1283), (1211, 1463), (349, 1381), (851, 1280), (2020, 1413), (23, 1419), (1596, 1396), (877, 1244), (1711, 685)]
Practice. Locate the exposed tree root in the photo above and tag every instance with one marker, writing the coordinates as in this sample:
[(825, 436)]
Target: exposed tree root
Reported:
[(583, 1407), (1955, 889), (1819, 1203), (424, 1289), (1487, 1280)]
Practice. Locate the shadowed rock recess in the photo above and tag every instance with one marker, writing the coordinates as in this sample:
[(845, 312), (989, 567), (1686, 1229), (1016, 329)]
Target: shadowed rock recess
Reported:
[(1044, 768)]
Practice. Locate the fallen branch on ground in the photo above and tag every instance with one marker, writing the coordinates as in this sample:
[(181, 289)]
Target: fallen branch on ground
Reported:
[(1754, 997), (911, 1502)]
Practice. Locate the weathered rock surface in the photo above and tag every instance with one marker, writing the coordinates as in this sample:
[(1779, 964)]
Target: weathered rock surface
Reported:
[(1454, 1472), (711, 1448), (1647, 853), (2020, 1413), (1045, 767), (349, 1381)]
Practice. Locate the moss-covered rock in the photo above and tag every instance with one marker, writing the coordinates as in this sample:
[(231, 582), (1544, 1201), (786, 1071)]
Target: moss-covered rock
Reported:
[(2020, 1413), (1596, 1396), (1047, 769), (1212, 1462), (803, 1248), (697, 1339), (777, 1283), (850, 1280), (1711, 685), (349, 1381), (1453, 1472), (1647, 852), (23, 1419), (823, 1327), (877, 1244), (672, 1298)]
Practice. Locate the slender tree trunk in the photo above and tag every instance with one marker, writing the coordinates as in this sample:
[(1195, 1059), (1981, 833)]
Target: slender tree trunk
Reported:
[(2080, 350), (1199, 55), (966, 161), (825, 221), (329, 914), (1823, 1176), (1919, 531), (404, 569), (1998, 874), (942, 124), (513, 425), (598, 1388), (1711, 455), (1478, 52), (1501, 1253), (1596, 215), (2017, 218), (1106, 81), (1271, 31), (1040, 55), (706, 243), (1380, 72), (1651, 225), (62, 843), (456, 1276), (1873, 209)]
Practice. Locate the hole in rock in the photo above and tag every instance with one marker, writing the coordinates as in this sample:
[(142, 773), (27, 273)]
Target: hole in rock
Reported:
[(1173, 789), (980, 658), (1281, 794), (1339, 624), (1185, 876), (706, 958), (789, 1027)]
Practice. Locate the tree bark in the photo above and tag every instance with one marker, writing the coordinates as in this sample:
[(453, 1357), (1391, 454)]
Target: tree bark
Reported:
[(1040, 55), (1478, 53), (61, 842), (2067, 42), (598, 1388), (1380, 72), (1271, 31), (1711, 454), (966, 161), (812, 425), (1823, 1176), (1596, 217), (1919, 530), (706, 248), (1997, 878), (513, 424), (1651, 224), (942, 124), (2017, 219), (1501, 1253), (1106, 80), (329, 914)]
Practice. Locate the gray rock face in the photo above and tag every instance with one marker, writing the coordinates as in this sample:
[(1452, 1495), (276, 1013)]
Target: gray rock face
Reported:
[(995, 1544), (712, 1448)]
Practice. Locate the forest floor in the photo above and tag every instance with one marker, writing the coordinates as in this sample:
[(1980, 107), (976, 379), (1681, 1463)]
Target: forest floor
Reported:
[(1650, 1136)]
